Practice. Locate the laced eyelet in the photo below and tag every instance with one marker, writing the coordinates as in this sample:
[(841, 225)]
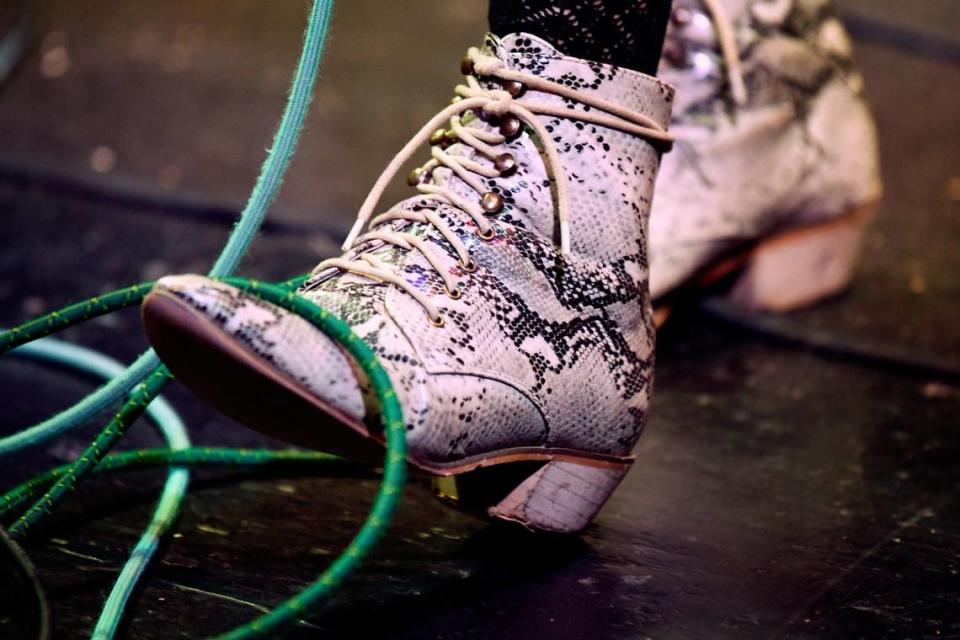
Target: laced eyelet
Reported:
[(495, 106), (451, 137), (510, 126), (453, 294), (439, 322), (491, 202), (505, 164), (513, 87), (415, 176)]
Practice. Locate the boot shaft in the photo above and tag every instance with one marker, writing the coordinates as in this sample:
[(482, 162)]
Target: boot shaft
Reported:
[(795, 146), (609, 174)]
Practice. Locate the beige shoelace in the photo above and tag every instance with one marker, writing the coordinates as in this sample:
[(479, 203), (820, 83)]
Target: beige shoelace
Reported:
[(494, 103), (727, 39)]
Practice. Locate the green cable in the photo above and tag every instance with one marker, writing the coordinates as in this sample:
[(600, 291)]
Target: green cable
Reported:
[(193, 457), (140, 397), (264, 192), (68, 316), (172, 429), (154, 376), (73, 314), (95, 307), (384, 503), (51, 323), (143, 389), (394, 472), (174, 489), (339, 331)]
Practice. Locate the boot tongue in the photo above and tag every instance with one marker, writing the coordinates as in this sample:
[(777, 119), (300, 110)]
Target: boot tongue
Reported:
[(520, 50)]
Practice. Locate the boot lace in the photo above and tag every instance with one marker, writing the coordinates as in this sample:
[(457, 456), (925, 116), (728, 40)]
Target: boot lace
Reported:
[(507, 106), (726, 41)]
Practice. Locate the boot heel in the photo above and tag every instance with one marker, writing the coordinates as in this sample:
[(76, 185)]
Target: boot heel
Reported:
[(562, 497), (803, 266)]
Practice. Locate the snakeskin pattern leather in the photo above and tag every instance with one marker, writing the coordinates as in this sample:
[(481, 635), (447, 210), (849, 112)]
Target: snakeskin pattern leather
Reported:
[(541, 349), (802, 149)]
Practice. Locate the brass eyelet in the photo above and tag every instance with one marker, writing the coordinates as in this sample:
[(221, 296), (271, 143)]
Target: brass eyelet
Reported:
[(488, 236), (505, 164), (415, 176), (470, 267), (510, 126), (453, 294), (513, 87), (439, 322), (491, 202)]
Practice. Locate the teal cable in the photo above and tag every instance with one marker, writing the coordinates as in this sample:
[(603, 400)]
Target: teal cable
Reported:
[(161, 413), (269, 181), (384, 503), (168, 508), (284, 143), (173, 431), (84, 411), (172, 428), (143, 391), (264, 192), (61, 319), (88, 408)]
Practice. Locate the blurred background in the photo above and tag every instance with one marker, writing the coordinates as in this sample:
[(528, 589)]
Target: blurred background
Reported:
[(177, 101), (781, 493)]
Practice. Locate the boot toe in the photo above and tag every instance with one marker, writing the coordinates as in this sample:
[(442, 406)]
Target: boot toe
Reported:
[(285, 342)]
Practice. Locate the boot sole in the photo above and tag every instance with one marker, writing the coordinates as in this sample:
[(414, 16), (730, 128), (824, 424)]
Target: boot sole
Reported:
[(549, 489), (787, 271)]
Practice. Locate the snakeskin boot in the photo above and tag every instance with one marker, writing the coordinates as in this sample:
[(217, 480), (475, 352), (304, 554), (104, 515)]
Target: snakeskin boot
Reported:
[(508, 300), (774, 174)]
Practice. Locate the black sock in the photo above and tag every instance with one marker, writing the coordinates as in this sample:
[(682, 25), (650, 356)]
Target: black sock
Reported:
[(627, 33)]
